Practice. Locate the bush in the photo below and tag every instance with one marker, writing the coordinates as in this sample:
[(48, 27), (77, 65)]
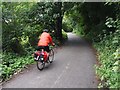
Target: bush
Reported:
[(109, 58), (66, 28), (64, 34), (12, 63)]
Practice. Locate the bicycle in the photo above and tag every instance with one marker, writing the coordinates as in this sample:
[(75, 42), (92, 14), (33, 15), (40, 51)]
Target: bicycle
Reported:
[(41, 58)]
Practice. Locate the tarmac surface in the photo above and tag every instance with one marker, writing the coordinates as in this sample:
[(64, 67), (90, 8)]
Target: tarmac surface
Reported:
[(73, 67)]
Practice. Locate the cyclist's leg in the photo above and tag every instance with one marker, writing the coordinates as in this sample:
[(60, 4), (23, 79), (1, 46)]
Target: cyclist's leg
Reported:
[(47, 50)]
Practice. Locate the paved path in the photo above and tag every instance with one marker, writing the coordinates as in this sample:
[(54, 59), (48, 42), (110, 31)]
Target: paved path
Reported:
[(73, 68)]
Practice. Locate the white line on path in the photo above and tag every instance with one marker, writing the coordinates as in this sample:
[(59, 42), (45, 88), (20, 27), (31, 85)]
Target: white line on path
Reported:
[(59, 77)]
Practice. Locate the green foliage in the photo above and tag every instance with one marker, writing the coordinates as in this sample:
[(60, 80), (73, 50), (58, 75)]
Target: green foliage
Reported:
[(13, 25), (88, 19), (12, 63), (108, 49), (66, 28), (42, 13), (110, 23), (64, 34), (23, 22), (109, 56), (117, 54), (33, 34)]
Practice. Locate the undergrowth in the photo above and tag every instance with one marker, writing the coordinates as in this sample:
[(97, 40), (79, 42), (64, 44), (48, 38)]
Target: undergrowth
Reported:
[(12, 63), (108, 50)]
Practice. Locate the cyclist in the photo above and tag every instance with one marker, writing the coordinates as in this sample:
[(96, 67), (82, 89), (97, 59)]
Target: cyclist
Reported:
[(44, 40)]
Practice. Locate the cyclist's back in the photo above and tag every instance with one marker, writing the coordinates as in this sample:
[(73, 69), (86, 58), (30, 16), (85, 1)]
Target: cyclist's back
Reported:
[(45, 39)]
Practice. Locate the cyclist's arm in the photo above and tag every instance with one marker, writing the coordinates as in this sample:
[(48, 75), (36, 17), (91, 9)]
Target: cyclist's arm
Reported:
[(51, 41)]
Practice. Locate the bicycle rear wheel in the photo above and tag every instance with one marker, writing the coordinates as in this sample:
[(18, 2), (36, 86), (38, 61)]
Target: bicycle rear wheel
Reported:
[(40, 65), (51, 56)]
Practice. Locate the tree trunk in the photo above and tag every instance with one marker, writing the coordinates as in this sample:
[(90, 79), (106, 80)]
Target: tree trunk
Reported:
[(59, 22)]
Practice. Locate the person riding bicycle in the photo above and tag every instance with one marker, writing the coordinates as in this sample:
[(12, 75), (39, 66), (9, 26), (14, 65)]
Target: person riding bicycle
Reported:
[(44, 41)]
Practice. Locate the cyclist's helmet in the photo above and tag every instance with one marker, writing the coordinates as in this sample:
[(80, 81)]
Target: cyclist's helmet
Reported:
[(45, 30)]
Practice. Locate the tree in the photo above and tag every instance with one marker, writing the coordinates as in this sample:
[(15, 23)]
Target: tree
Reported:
[(13, 25), (50, 15)]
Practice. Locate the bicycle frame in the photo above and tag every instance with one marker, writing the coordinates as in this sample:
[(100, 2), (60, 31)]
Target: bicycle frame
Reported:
[(43, 57)]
